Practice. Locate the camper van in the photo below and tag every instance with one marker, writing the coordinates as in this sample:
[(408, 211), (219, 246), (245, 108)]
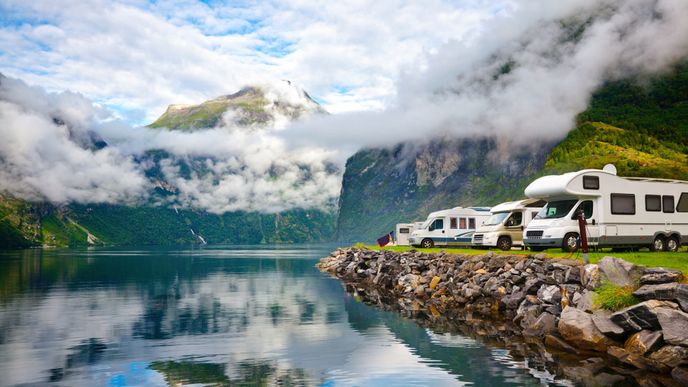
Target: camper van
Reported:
[(504, 228), (402, 231), (452, 227), (619, 211)]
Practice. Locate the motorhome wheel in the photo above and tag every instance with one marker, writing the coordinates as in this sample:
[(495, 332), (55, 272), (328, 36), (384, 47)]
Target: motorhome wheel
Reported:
[(427, 243), (504, 243), (672, 244), (657, 244), (570, 242)]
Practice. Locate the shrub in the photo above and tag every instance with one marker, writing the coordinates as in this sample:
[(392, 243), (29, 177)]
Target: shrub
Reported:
[(612, 297)]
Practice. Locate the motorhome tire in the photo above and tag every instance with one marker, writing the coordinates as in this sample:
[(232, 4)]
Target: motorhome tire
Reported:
[(672, 244), (504, 243), (570, 243), (427, 243), (658, 244)]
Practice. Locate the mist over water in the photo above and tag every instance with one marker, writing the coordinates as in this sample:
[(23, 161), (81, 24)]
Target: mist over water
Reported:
[(218, 315)]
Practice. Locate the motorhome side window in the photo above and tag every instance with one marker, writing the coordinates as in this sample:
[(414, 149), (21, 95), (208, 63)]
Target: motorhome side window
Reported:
[(452, 223), (668, 203), (591, 182), (653, 203), (438, 224), (586, 206), (683, 203), (471, 221), (623, 204), (462, 223), (515, 219)]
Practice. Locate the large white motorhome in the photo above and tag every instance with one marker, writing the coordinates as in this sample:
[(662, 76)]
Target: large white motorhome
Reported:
[(504, 228), (620, 211), (402, 231), (452, 227)]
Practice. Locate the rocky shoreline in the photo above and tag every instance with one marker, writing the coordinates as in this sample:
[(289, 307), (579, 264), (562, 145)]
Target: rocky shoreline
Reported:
[(539, 308)]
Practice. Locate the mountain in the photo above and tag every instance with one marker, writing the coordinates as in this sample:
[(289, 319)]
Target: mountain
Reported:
[(252, 106), (638, 124), (157, 222)]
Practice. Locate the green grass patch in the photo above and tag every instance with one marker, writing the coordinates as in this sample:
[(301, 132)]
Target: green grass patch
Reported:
[(612, 297)]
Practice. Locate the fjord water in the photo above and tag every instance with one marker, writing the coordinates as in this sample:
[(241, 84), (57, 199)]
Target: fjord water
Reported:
[(222, 315)]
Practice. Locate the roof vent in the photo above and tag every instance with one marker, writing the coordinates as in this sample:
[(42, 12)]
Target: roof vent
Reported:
[(610, 168)]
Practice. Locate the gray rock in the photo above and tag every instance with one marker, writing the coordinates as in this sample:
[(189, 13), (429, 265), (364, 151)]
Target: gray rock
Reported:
[(635, 360), (513, 300), (545, 324), (601, 319), (674, 325), (584, 301), (532, 285), (671, 355), (619, 272), (644, 342), (640, 316), (669, 291), (590, 276), (577, 328), (550, 294), (573, 276), (557, 343), (660, 275)]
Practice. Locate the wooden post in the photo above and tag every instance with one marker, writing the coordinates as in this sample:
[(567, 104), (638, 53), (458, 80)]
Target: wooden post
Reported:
[(583, 236)]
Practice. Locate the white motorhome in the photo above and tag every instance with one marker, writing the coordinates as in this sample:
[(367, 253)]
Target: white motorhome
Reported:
[(504, 228), (452, 227), (619, 211), (402, 231)]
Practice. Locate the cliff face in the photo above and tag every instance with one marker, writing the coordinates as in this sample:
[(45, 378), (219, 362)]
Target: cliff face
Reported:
[(382, 187), (640, 125)]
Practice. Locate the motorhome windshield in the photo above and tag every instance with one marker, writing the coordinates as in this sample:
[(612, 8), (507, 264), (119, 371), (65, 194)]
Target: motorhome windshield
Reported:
[(496, 218), (557, 209)]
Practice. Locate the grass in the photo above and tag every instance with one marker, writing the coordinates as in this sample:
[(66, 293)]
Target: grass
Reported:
[(612, 297), (678, 260)]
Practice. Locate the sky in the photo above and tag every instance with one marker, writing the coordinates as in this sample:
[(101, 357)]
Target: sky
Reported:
[(388, 71), (137, 57)]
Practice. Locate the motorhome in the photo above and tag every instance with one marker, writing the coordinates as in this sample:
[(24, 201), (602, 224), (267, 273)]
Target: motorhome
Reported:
[(504, 228), (451, 227), (620, 211), (402, 231)]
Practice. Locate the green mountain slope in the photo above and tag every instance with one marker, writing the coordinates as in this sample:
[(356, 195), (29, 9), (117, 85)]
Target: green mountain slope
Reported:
[(640, 125)]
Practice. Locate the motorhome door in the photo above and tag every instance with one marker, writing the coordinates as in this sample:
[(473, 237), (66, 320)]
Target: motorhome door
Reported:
[(514, 226), (436, 229), (592, 228)]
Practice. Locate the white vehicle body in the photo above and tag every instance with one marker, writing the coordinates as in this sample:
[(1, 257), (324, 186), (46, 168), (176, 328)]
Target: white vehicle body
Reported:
[(451, 227), (402, 231), (619, 211), (504, 228)]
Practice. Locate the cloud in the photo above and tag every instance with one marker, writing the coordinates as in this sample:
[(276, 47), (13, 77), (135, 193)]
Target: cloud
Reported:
[(50, 151), (465, 89), (138, 57)]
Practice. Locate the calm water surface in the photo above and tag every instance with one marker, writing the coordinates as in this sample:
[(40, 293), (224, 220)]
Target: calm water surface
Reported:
[(222, 315)]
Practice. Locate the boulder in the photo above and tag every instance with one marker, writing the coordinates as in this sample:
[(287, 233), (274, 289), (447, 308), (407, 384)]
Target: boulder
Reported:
[(557, 343), (669, 291), (576, 327), (660, 275), (513, 300), (674, 325), (671, 355), (545, 324), (619, 272), (640, 316), (635, 360), (680, 374), (644, 342), (590, 276), (584, 300), (550, 294), (601, 319)]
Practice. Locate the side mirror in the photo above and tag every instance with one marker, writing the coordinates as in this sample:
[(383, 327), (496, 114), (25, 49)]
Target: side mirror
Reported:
[(521, 228), (593, 222)]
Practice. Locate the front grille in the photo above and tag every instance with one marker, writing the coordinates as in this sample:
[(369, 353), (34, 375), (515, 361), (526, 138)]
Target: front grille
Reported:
[(477, 237), (536, 234)]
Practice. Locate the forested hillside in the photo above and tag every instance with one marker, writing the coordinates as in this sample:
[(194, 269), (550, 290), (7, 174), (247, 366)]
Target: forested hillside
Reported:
[(638, 124)]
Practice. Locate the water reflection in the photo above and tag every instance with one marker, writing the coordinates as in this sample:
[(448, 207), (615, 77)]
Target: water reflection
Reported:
[(224, 316)]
